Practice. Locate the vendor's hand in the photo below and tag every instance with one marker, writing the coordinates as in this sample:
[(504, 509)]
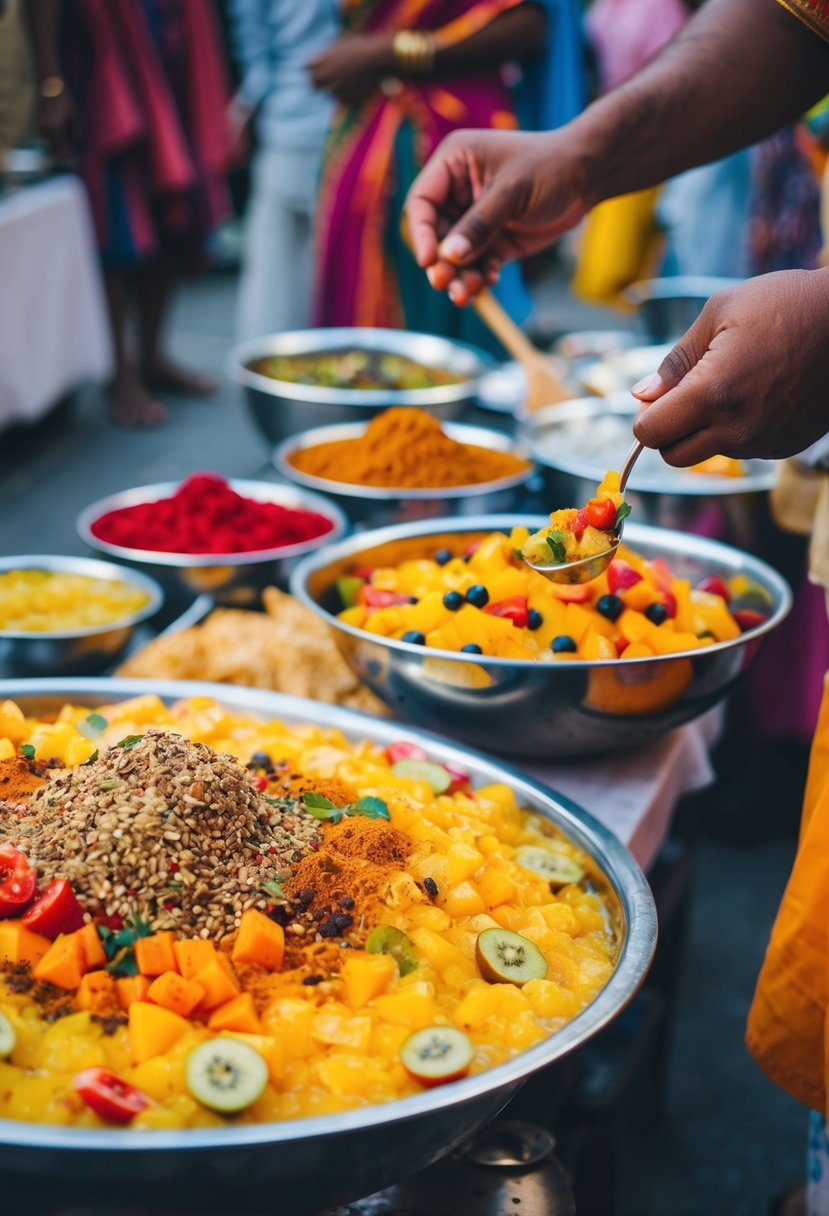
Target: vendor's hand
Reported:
[(749, 378), (351, 68), (487, 197), (60, 126)]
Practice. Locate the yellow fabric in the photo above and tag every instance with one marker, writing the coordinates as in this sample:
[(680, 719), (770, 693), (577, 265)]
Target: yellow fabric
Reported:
[(618, 247), (788, 1026)]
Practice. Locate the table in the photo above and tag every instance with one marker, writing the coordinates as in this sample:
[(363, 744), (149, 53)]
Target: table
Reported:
[(54, 332)]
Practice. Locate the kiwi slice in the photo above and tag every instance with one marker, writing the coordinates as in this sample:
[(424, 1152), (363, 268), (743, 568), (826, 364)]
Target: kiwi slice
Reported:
[(7, 1037), (435, 775), (436, 1054), (505, 957), (555, 867), (386, 939), (226, 1075)]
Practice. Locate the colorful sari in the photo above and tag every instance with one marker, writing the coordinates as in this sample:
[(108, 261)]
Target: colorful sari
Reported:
[(374, 151)]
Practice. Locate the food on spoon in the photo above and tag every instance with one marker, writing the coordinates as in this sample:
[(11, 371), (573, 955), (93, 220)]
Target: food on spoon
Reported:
[(575, 534), (226, 1075), (355, 369), (558, 869), (46, 601), (505, 957), (437, 1054)]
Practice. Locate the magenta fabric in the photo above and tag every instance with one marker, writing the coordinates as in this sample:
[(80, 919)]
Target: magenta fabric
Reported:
[(626, 34)]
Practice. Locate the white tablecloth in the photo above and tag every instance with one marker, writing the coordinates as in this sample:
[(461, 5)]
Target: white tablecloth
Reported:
[(54, 333), (635, 795)]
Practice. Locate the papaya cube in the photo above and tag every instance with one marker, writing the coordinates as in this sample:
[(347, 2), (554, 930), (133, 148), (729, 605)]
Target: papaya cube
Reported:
[(495, 886), (96, 992), (463, 899), (260, 941), (153, 1030), (238, 1014), (219, 982), (175, 993), (19, 945), (155, 955), (63, 964), (91, 947), (192, 955), (131, 988), (365, 976)]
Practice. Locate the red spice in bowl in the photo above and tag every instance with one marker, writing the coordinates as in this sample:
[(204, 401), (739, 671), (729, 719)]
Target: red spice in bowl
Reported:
[(205, 515)]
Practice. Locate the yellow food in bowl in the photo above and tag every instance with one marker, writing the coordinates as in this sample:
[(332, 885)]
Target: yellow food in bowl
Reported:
[(43, 601), (330, 1033)]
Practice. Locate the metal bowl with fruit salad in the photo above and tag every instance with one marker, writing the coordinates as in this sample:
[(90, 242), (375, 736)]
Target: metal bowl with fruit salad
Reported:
[(572, 701)]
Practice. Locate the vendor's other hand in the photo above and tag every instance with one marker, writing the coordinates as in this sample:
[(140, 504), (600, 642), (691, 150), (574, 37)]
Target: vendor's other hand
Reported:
[(60, 126), (750, 378), (352, 67), (486, 197)]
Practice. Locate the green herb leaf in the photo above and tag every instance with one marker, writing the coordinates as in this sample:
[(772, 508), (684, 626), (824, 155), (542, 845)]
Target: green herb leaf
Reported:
[(91, 759), (621, 514), (371, 808), (556, 542), (519, 554), (175, 884), (129, 741), (119, 944), (122, 963), (111, 783), (318, 802), (274, 887), (27, 750), (96, 723)]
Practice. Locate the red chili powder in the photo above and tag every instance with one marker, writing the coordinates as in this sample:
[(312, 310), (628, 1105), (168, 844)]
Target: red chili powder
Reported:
[(206, 516)]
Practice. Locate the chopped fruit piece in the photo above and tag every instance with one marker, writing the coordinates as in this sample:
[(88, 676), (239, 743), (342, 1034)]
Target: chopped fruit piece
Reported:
[(437, 1054), (19, 945), (260, 941), (403, 750), (96, 992), (131, 988), (555, 867), (505, 957), (175, 993), (8, 1038), (365, 976), (621, 575), (218, 980), (108, 1096), (238, 1014), (156, 954), (226, 1075), (63, 964), (18, 881), (153, 1030), (192, 955), (56, 910), (435, 775), (386, 939)]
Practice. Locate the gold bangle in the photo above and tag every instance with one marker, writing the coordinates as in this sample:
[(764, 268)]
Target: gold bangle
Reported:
[(52, 86), (414, 52)]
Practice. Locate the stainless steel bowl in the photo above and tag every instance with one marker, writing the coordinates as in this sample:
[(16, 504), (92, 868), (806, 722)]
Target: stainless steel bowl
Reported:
[(386, 505), (280, 408), (231, 578), (73, 651), (529, 708), (668, 307), (317, 1162), (576, 442)]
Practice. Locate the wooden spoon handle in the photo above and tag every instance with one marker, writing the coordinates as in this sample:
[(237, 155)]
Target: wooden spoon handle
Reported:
[(493, 314)]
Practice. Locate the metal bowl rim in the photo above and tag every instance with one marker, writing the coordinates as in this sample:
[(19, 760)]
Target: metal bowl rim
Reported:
[(616, 863), (93, 567), (684, 545), (305, 499), (699, 485), (396, 341), (479, 436)]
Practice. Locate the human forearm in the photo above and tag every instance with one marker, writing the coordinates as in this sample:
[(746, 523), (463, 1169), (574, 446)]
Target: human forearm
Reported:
[(740, 70), (517, 33)]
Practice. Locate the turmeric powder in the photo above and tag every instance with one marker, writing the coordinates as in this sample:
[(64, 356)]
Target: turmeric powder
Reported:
[(17, 780), (405, 448)]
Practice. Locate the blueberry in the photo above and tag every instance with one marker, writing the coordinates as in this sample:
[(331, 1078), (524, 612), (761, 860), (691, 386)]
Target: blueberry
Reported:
[(260, 760), (442, 556), (415, 637), (412, 599), (656, 613), (453, 600), (471, 648), (610, 606), (478, 596), (564, 644), (534, 619)]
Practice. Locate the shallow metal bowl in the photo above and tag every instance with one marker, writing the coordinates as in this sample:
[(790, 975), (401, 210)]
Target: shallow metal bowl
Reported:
[(529, 708), (313, 1163), (387, 505), (73, 651), (669, 306), (280, 408), (561, 439), (230, 578)]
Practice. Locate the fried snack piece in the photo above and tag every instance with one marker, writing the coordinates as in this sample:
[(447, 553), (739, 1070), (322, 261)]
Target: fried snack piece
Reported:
[(286, 649)]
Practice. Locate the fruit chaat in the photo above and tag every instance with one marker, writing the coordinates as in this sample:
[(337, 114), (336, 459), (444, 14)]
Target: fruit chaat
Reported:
[(574, 534), (205, 916)]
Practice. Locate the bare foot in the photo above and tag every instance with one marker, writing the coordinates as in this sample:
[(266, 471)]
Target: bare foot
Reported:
[(131, 405), (165, 376)]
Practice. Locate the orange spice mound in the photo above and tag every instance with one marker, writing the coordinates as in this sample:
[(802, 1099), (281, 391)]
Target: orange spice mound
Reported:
[(405, 448), (17, 781), (291, 783)]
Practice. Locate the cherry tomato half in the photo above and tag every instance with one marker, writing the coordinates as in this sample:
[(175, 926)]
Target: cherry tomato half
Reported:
[(403, 750), (601, 513), (56, 910), (514, 609), (18, 881), (376, 597), (621, 575), (108, 1096)]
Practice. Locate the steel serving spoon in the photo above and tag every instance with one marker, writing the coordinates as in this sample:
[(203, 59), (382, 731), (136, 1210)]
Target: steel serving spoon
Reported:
[(587, 568)]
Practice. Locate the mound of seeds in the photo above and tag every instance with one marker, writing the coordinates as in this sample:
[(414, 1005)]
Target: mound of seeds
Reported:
[(166, 829)]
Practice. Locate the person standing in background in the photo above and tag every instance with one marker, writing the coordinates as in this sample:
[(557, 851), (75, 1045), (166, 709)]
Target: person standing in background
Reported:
[(133, 95), (16, 92), (273, 41), (405, 74)]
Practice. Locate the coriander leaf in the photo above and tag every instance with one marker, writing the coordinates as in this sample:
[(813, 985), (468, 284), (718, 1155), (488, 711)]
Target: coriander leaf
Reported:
[(129, 741), (371, 808), (318, 802), (556, 542), (519, 554), (274, 887), (27, 750), (621, 514), (91, 759), (123, 963), (95, 723)]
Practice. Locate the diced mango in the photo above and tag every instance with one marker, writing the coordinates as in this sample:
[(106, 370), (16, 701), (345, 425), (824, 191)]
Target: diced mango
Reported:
[(414, 1009), (63, 964), (96, 992), (193, 954), (260, 941), (219, 982), (337, 1031), (175, 993), (131, 988), (153, 1030), (19, 945), (463, 899), (91, 947), (365, 976), (236, 1014), (155, 955)]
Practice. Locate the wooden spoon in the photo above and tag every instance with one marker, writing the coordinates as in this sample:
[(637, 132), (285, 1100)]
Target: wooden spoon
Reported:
[(543, 385)]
